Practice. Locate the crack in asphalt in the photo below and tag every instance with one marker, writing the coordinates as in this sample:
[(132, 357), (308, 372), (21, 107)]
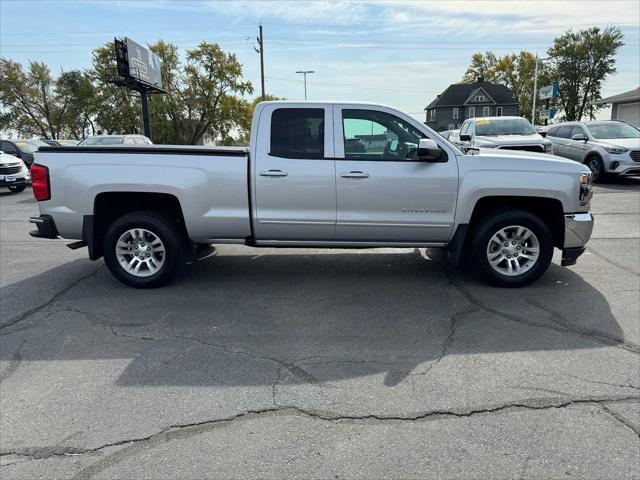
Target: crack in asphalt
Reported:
[(613, 262), (14, 363), (188, 430), (46, 305), (562, 324)]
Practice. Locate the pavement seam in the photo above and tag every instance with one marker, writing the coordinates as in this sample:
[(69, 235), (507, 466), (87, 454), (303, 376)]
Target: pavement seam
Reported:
[(39, 453)]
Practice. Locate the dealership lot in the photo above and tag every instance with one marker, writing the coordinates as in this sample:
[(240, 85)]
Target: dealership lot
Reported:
[(310, 363)]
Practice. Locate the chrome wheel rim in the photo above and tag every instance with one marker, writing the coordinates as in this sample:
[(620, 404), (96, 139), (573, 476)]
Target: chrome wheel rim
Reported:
[(594, 166), (140, 252), (513, 250)]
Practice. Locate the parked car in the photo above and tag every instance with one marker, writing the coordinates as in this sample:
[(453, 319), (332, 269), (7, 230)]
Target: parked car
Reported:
[(144, 208), (14, 174), (95, 140), (507, 133), (23, 149), (452, 135), (608, 147)]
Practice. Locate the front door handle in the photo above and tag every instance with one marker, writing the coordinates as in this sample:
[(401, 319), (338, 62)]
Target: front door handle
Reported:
[(273, 173), (354, 174)]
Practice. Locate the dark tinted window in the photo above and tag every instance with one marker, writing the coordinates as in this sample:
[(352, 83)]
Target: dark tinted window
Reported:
[(8, 147), (564, 131), (577, 130), (297, 133), (552, 131)]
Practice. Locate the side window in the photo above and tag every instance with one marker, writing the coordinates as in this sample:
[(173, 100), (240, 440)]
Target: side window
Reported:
[(128, 140), (552, 131), (297, 133), (139, 141), (374, 135), (577, 130), (564, 131), (465, 128), (472, 112), (8, 147)]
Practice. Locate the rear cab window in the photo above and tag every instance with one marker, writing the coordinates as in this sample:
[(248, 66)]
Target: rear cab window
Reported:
[(297, 133)]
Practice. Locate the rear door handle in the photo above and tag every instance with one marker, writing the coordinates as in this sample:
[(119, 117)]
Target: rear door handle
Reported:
[(354, 174), (273, 173)]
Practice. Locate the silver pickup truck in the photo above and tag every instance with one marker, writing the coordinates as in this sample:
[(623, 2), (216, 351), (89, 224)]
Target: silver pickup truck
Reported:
[(328, 175)]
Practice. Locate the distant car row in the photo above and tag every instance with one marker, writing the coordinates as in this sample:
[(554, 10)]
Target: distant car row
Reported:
[(606, 147)]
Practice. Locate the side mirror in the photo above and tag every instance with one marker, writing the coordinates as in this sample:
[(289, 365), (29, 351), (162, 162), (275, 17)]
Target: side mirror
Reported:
[(429, 151), (543, 134), (579, 137), (465, 137)]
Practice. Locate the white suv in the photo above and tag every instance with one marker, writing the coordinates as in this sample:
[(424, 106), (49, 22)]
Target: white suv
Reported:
[(14, 174), (606, 147)]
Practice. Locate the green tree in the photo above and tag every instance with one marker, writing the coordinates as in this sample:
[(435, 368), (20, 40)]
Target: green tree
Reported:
[(32, 101), (482, 66), (247, 117), (78, 88), (580, 62)]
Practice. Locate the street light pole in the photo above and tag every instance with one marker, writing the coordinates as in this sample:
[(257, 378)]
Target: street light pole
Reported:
[(535, 93), (305, 72)]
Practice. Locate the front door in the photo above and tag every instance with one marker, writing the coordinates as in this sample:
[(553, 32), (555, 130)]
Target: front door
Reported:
[(295, 174), (383, 193)]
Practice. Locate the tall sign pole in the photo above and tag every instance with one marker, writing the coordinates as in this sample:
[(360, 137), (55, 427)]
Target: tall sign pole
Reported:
[(305, 72), (261, 42), (535, 93), (145, 112)]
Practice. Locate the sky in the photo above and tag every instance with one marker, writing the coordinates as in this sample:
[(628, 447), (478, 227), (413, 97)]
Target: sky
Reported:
[(401, 53)]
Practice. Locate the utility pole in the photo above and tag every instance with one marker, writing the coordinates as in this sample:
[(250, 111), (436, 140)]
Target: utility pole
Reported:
[(261, 43), (535, 93), (305, 72)]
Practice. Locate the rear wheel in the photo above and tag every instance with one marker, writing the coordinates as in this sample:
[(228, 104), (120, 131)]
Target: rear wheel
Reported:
[(597, 168), (144, 250), (511, 248), (17, 188)]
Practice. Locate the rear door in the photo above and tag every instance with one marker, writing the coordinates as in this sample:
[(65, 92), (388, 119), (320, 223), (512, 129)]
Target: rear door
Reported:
[(383, 193), (577, 149), (561, 141), (294, 173)]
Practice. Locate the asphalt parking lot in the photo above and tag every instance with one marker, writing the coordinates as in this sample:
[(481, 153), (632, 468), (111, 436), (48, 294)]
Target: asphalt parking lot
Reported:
[(319, 364)]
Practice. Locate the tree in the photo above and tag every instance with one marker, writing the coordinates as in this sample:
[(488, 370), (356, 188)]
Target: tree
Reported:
[(32, 101), (78, 118), (579, 62), (482, 66), (514, 71), (247, 117)]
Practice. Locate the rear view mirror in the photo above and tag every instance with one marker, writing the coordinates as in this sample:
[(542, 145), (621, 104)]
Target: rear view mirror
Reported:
[(465, 137), (429, 151)]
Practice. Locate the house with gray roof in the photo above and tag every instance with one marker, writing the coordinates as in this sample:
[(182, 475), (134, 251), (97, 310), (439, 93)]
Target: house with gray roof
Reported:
[(468, 100)]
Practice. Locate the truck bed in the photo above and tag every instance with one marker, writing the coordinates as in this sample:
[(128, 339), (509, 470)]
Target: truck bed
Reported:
[(210, 183)]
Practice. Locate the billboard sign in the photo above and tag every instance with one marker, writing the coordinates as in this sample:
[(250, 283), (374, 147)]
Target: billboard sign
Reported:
[(549, 91), (144, 65), (548, 114)]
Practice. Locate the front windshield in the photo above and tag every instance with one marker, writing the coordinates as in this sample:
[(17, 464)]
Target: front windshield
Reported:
[(613, 130), (504, 126), (102, 141), (30, 146)]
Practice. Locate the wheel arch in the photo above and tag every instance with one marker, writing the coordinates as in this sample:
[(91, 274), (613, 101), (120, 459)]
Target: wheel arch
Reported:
[(109, 206)]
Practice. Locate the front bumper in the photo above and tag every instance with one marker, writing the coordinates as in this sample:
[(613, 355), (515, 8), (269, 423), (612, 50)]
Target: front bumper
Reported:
[(17, 181), (577, 232), (46, 227)]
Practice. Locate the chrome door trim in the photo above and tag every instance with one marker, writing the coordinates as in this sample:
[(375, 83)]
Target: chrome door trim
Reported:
[(296, 222), (381, 224), (347, 244)]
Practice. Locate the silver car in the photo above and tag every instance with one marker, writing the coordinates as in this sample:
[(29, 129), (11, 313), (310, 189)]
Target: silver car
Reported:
[(111, 140), (608, 147)]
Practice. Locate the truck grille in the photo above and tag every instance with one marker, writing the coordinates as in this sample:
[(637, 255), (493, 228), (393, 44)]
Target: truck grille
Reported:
[(528, 148), (9, 170), (635, 155)]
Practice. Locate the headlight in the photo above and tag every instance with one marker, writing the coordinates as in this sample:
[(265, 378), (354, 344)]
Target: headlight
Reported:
[(586, 190), (612, 149)]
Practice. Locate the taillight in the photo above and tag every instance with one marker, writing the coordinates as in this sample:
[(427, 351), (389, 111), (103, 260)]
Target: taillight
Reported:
[(40, 182)]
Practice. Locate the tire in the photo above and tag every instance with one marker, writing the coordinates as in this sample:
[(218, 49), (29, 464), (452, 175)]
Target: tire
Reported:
[(139, 233), (17, 188), (597, 168), (484, 248)]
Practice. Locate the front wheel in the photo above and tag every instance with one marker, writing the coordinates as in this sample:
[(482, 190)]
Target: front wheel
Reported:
[(144, 250), (511, 248), (597, 168)]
